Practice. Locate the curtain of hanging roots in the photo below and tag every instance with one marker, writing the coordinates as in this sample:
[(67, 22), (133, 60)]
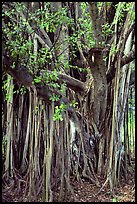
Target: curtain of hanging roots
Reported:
[(9, 130)]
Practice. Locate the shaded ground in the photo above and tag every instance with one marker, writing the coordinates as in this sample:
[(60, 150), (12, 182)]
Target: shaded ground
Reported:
[(86, 192)]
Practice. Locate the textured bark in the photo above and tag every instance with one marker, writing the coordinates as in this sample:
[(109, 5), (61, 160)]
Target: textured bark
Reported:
[(96, 21), (98, 71)]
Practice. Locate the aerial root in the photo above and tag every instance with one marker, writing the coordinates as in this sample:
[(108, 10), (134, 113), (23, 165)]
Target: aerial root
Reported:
[(101, 188)]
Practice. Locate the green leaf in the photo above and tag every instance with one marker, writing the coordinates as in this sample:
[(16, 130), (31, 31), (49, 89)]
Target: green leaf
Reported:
[(114, 200)]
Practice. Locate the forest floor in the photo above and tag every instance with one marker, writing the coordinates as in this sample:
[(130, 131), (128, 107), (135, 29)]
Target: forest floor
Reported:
[(86, 192)]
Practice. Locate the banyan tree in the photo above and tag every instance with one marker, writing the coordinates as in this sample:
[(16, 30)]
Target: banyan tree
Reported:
[(67, 68)]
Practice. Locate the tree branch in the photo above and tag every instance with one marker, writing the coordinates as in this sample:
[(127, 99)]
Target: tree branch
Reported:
[(96, 21), (46, 42), (71, 82), (127, 59), (22, 75)]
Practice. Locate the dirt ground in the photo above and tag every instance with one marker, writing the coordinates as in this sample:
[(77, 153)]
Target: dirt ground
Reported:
[(86, 192)]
